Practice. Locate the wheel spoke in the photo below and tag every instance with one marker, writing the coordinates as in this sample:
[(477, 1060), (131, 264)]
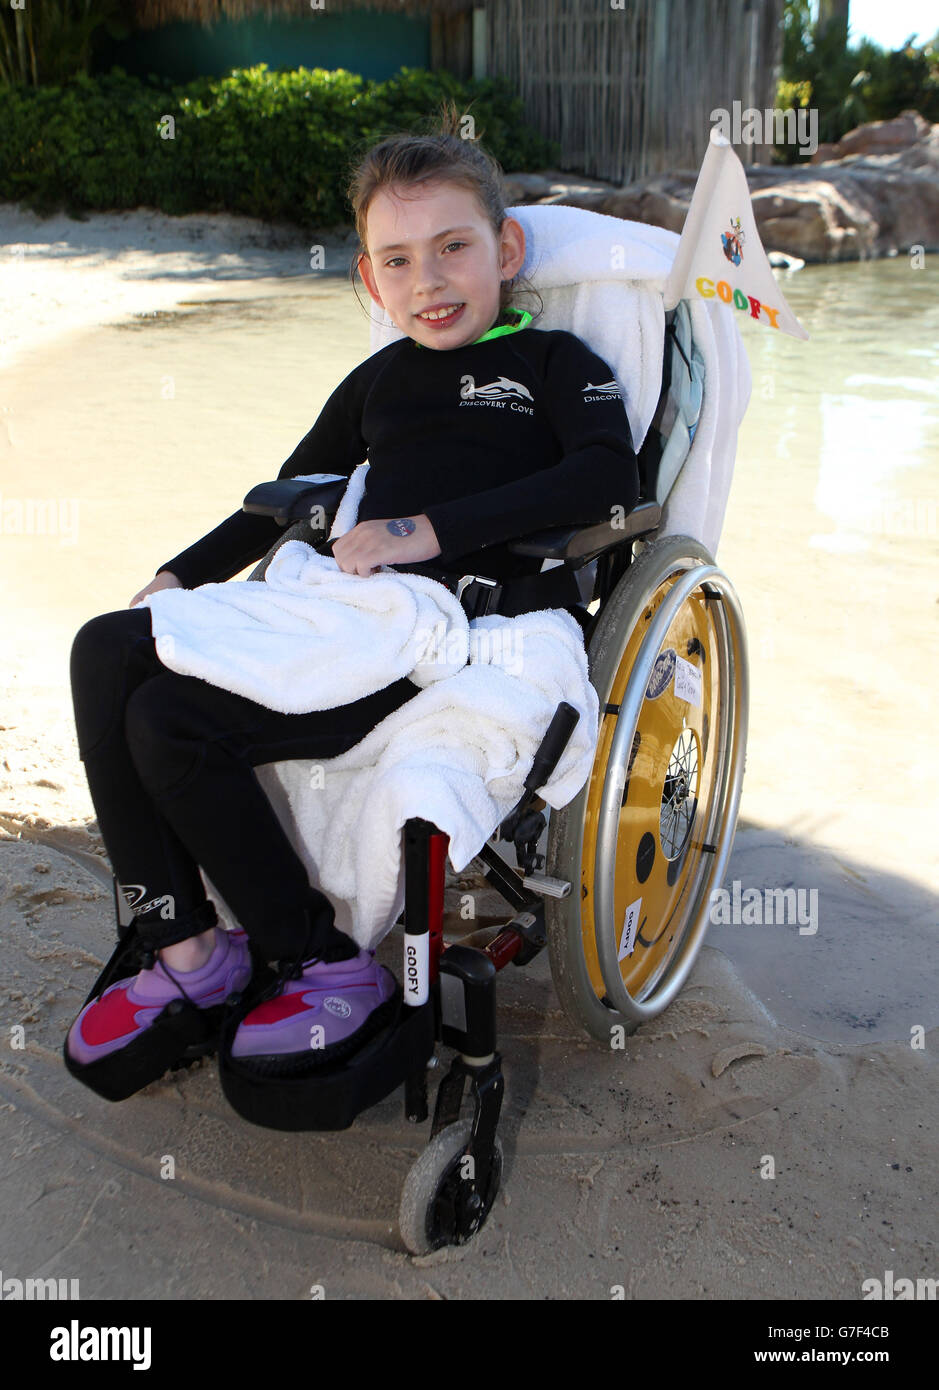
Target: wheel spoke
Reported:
[(680, 788)]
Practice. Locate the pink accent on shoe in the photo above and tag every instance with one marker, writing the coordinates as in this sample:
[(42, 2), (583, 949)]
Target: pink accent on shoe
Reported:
[(326, 1005), (128, 1007)]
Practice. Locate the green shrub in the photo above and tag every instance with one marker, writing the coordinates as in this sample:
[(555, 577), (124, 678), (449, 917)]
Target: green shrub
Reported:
[(851, 84), (907, 79), (274, 145)]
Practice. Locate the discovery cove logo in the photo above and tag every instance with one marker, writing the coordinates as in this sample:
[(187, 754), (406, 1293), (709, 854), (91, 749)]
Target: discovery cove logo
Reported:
[(604, 392), (499, 393), (504, 391)]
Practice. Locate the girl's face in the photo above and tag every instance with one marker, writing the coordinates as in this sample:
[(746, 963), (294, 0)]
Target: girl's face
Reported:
[(431, 248)]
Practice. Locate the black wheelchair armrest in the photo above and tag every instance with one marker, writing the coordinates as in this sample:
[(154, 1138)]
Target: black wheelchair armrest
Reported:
[(584, 542), (293, 499)]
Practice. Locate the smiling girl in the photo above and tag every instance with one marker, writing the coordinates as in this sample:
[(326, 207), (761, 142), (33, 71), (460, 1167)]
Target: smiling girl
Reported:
[(478, 429)]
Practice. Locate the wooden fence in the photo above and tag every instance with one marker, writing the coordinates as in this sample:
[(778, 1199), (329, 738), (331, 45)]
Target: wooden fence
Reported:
[(629, 91)]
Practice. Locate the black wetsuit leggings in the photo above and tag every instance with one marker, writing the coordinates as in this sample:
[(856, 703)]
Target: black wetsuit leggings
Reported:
[(170, 765)]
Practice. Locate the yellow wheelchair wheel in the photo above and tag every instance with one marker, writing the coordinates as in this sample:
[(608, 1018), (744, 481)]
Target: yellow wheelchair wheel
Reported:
[(649, 836)]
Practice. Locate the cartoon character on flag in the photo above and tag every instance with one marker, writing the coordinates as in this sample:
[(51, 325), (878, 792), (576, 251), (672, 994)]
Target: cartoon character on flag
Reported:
[(733, 241), (720, 255)]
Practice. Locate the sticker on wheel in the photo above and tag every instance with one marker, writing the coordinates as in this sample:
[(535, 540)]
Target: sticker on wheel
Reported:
[(687, 681), (662, 673), (630, 928)]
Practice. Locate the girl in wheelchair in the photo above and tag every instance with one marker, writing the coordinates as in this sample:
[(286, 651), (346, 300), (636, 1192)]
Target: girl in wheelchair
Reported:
[(478, 429)]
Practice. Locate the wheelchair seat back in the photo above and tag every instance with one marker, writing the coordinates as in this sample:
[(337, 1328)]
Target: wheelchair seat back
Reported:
[(670, 435)]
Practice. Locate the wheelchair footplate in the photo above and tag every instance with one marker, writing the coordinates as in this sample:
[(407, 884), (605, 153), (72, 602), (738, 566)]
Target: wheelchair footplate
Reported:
[(331, 1086)]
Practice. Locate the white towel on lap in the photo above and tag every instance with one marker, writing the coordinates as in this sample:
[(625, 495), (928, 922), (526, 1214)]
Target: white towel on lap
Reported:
[(457, 754), (311, 637)]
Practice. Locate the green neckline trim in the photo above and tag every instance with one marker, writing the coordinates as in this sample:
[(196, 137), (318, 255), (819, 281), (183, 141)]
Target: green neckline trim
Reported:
[(523, 322)]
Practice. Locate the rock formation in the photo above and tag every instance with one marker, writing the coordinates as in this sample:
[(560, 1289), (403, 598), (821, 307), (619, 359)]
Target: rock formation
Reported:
[(875, 193)]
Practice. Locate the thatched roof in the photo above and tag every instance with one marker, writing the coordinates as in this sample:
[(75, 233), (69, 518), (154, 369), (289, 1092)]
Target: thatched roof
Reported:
[(150, 14)]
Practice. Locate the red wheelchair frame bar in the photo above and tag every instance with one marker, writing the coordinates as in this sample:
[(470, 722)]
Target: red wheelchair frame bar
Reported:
[(457, 983)]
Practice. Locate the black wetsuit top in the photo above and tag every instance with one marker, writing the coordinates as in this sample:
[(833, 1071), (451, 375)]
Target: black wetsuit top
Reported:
[(491, 441)]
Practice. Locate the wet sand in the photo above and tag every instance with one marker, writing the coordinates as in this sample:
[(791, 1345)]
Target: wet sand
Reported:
[(641, 1167)]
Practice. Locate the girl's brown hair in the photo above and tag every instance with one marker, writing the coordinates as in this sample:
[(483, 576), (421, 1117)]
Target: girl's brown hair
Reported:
[(442, 153)]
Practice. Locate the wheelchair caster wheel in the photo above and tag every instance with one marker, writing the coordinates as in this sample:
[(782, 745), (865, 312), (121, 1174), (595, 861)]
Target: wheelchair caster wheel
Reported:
[(437, 1206)]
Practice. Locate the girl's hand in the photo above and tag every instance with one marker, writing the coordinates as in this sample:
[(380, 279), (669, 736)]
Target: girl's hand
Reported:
[(164, 580), (397, 541)]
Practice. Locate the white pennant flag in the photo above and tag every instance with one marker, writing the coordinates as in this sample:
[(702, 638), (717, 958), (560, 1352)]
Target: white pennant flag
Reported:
[(720, 255)]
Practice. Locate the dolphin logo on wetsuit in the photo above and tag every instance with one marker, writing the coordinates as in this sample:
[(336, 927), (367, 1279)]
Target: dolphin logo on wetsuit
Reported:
[(502, 386)]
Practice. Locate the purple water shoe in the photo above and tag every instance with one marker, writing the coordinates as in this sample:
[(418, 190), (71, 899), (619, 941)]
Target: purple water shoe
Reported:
[(325, 1014), (139, 1027)]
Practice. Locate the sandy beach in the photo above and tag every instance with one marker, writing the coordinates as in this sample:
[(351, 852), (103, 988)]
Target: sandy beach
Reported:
[(643, 1168)]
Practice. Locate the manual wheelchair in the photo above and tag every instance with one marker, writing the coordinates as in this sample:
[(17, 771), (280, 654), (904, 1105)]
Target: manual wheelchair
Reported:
[(621, 896)]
